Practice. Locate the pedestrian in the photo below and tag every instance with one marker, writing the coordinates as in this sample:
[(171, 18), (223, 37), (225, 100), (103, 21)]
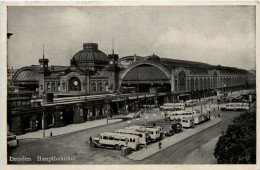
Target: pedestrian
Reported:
[(51, 134), (154, 124), (90, 140), (160, 145)]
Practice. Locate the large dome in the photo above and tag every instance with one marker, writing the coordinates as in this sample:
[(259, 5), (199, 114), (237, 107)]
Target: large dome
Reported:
[(90, 56)]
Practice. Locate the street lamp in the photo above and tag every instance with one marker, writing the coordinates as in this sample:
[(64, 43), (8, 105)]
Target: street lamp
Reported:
[(107, 110), (154, 115), (146, 117)]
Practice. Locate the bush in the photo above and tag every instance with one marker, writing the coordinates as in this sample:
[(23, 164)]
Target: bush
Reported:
[(238, 144)]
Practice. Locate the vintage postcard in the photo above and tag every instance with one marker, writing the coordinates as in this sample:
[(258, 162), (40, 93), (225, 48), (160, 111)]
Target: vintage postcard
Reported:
[(129, 83)]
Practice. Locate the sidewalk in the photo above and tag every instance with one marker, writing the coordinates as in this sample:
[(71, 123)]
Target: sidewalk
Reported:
[(169, 141), (67, 129)]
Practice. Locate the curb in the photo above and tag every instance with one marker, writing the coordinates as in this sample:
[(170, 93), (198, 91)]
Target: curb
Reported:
[(174, 143), (66, 133)]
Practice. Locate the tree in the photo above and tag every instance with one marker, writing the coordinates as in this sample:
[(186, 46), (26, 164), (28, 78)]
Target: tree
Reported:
[(238, 144)]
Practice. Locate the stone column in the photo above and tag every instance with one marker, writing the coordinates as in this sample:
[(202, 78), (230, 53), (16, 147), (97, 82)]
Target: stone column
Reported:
[(172, 81)]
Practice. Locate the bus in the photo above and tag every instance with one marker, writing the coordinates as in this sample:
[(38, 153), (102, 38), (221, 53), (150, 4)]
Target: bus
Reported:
[(235, 106), (159, 128), (187, 122), (173, 106), (116, 141), (144, 137), (179, 106), (12, 140), (168, 106), (174, 115), (190, 103), (153, 132), (205, 116), (198, 118)]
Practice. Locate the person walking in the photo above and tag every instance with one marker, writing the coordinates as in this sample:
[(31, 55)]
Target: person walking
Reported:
[(160, 145), (90, 140)]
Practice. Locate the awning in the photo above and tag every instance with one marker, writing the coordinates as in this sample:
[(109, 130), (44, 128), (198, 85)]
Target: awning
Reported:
[(184, 95)]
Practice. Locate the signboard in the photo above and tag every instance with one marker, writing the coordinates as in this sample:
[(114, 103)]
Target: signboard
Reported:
[(161, 94), (132, 97), (150, 95), (118, 100), (141, 96)]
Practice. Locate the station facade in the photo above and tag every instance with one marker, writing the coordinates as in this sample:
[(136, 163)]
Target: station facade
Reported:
[(148, 79)]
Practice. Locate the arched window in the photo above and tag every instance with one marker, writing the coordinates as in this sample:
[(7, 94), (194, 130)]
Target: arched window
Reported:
[(58, 84), (53, 87), (48, 87), (196, 84), (182, 80), (201, 83), (192, 84), (215, 79), (175, 85), (188, 84), (94, 88), (74, 84), (106, 86), (100, 86)]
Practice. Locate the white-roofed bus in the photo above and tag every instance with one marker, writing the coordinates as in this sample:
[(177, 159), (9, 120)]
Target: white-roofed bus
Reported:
[(144, 137), (187, 122), (153, 132), (116, 141)]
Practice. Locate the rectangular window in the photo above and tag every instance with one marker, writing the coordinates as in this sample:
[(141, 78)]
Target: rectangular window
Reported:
[(110, 138), (122, 139), (105, 137)]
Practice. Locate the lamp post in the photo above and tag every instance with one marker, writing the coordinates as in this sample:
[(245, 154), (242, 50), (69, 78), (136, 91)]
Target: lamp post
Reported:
[(43, 119), (146, 117), (154, 115), (107, 110)]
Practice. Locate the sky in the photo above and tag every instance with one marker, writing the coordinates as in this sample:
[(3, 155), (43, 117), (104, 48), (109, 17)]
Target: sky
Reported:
[(218, 35)]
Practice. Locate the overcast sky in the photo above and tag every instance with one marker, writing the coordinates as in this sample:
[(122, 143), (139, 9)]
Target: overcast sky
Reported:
[(222, 35)]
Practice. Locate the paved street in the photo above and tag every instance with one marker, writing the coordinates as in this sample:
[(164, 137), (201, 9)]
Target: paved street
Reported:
[(76, 144)]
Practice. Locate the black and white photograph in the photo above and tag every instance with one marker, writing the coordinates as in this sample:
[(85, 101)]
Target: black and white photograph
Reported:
[(130, 84)]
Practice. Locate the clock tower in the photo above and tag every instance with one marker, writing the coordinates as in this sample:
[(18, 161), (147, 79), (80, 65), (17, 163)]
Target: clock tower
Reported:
[(113, 60), (113, 72)]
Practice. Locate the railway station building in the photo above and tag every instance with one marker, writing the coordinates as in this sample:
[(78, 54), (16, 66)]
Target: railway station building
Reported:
[(92, 72)]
